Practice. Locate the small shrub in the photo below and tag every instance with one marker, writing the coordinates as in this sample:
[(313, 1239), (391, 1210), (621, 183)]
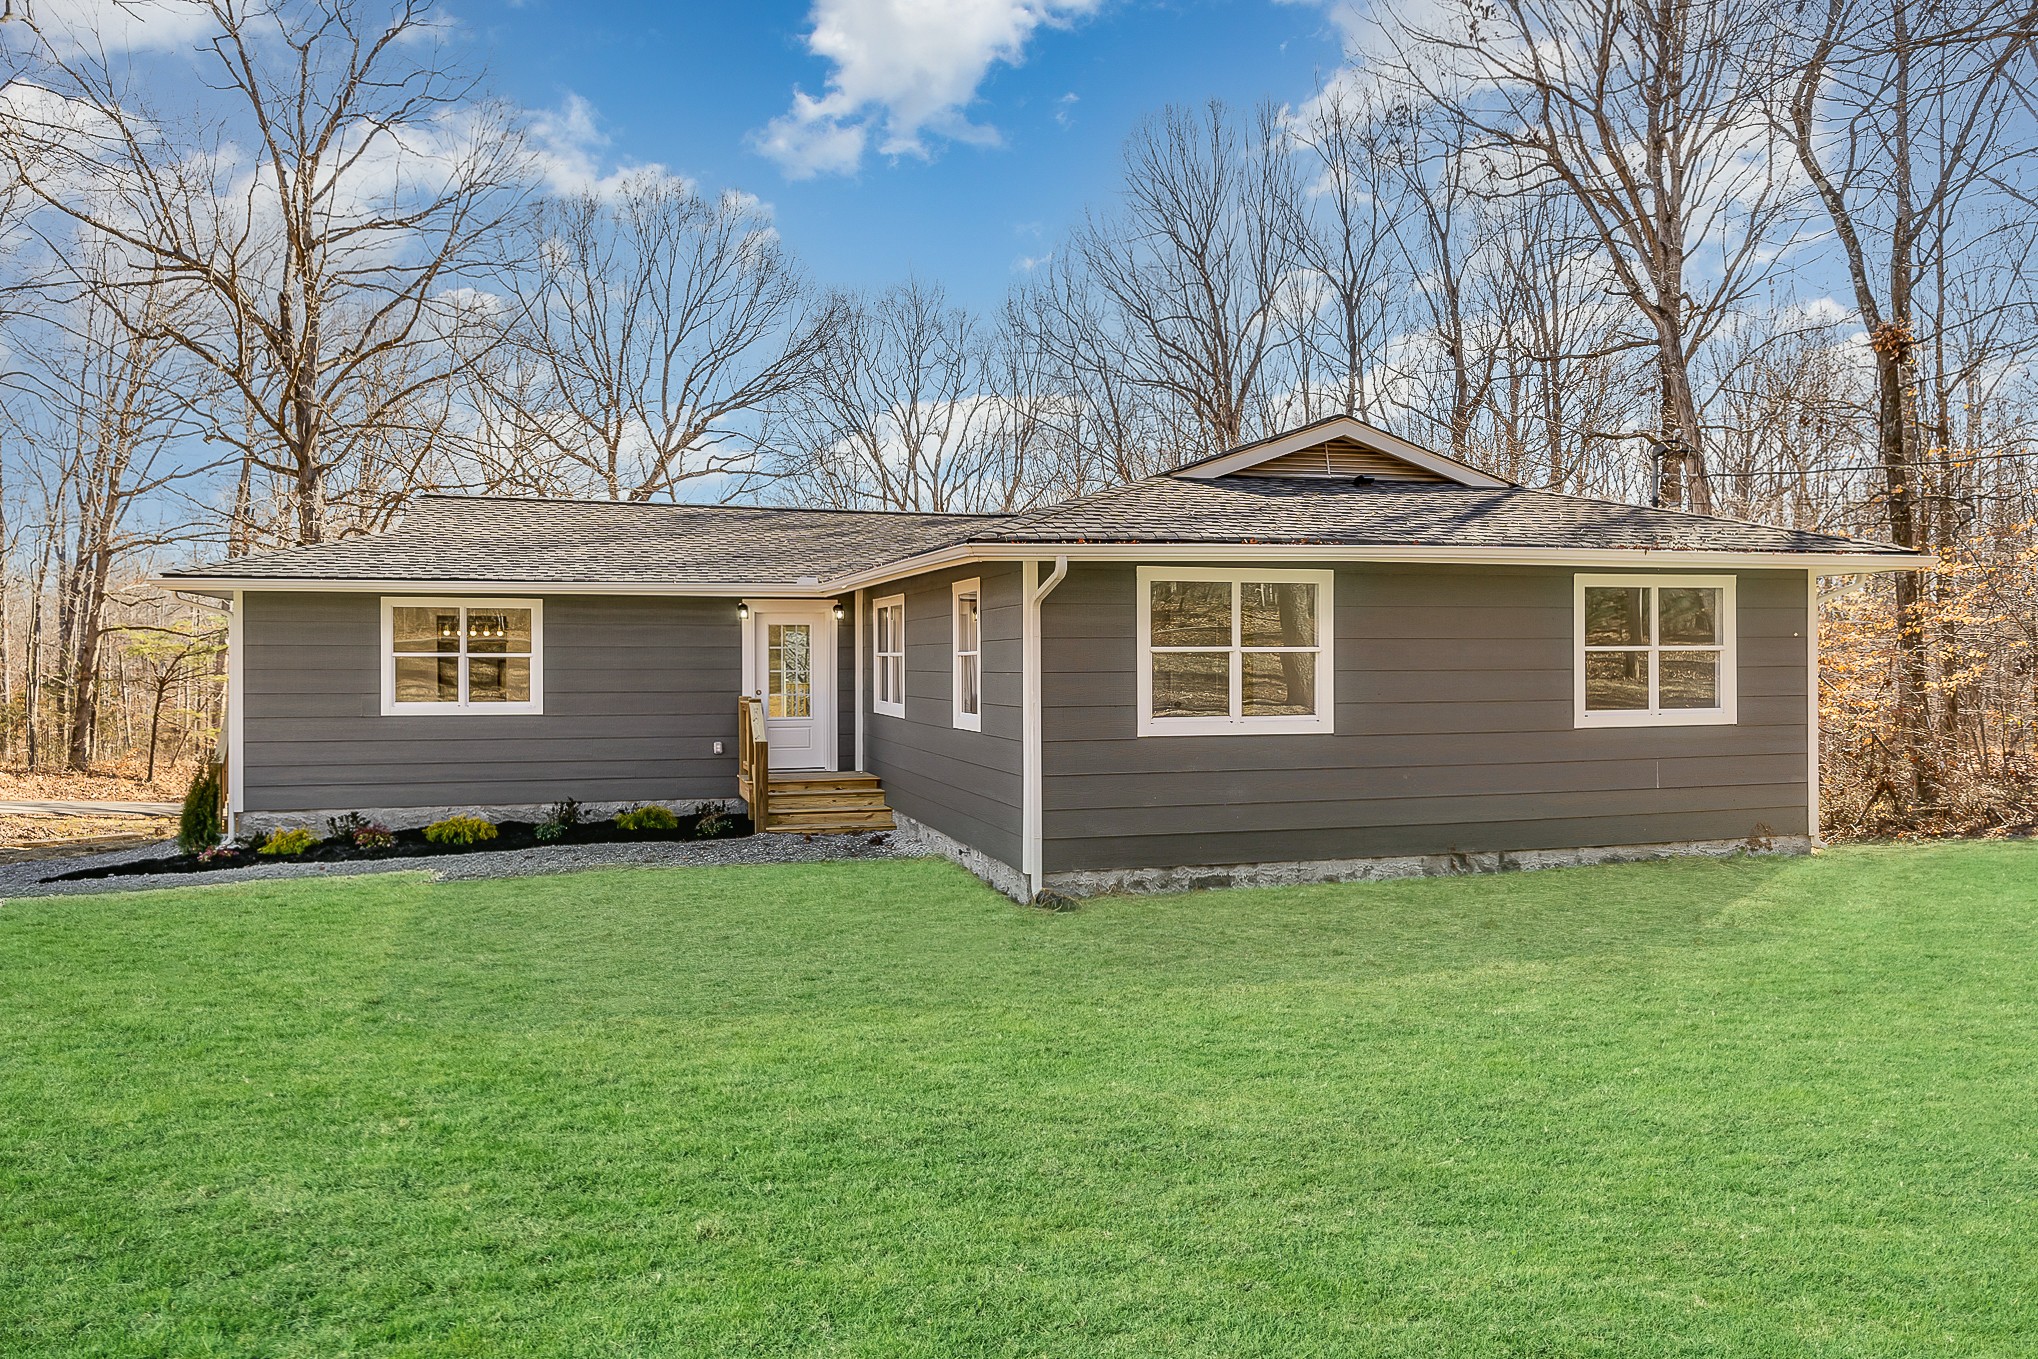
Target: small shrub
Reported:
[(374, 836), (218, 854), (347, 825), (565, 814), (714, 822), (283, 843), (202, 824), (460, 830), (548, 830), (646, 819)]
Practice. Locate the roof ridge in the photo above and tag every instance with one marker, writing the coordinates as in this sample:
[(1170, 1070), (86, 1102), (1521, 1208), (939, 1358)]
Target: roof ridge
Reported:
[(695, 505)]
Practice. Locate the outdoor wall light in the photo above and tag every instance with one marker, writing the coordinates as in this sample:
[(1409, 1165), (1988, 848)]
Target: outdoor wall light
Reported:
[(840, 613), (743, 609)]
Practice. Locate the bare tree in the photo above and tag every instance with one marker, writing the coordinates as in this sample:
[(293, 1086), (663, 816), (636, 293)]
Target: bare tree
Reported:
[(901, 414), (1185, 291), (1650, 116), (1911, 120), (1352, 214), (314, 217), (649, 328), (98, 406)]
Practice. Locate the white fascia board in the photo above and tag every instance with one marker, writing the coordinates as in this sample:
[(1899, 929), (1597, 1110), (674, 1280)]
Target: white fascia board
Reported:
[(1347, 428), (1828, 563), (226, 585), (1618, 558)]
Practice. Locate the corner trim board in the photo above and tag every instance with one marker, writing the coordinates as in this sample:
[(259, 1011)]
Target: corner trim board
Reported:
[(1035, 592)]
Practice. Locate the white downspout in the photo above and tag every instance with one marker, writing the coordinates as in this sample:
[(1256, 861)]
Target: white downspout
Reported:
[(1035, 590)]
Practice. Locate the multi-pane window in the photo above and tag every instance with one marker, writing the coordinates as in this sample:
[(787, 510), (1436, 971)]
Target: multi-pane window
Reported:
[(1654, 650), (888, 657), (461, 656), (968, 651), (789, 669), (1234, 652)]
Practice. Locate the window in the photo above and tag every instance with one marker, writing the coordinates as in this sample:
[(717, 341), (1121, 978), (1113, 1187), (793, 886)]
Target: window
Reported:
[(888, 658), (1234, 652), (968, 650), (789, 669), (1654, 650), (468, 656)]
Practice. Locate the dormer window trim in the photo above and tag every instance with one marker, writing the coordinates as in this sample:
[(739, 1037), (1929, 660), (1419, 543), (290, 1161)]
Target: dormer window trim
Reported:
[(1240, 461)]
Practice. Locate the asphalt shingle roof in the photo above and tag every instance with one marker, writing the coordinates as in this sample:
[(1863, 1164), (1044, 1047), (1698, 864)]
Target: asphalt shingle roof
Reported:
[(1234, 509), (567, 542)]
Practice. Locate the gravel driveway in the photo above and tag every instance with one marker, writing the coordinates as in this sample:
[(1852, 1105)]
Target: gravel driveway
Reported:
[(22, 879)]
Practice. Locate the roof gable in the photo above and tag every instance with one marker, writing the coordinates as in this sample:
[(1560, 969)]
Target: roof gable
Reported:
[(1340, 447)]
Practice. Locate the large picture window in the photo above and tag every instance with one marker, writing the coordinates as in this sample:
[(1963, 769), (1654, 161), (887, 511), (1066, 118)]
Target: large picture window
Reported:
[(1234, 652), (1654, 650), (461, 656), (968, 597), (888, 657)]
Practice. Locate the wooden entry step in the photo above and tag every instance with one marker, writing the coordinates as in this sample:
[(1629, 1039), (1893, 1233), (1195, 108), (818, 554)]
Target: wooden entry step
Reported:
[(826, 804)]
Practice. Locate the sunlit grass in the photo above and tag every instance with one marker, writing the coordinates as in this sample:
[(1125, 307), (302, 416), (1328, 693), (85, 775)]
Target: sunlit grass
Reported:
[(1754, 1107)]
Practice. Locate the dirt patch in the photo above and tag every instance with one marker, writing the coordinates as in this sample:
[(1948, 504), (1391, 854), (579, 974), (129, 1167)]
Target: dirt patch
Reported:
[(101, 785), (59, 837)]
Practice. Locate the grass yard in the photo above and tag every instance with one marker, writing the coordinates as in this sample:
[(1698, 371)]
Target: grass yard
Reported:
[(1782, 1107)]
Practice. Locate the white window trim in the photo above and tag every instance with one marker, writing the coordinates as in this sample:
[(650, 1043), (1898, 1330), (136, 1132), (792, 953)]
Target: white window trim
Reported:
[(1726, 714), (973, 586), (877, 657), (391, 708), (1325, 718)]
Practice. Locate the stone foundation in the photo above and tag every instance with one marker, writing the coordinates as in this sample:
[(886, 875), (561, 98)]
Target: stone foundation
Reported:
[(1002, 876), (1294, 872)]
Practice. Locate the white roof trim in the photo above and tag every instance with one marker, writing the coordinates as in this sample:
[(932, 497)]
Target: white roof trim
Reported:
[(1618, 558), (1338, 427)]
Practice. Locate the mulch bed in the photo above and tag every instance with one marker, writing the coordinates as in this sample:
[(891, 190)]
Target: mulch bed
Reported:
[(410, 844)]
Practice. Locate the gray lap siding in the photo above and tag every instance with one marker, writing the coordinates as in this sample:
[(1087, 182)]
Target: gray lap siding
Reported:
[(1454, 701), (637, 691), (965, 784)]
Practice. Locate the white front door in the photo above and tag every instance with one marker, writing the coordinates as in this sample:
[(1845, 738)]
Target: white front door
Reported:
[(789, 662)]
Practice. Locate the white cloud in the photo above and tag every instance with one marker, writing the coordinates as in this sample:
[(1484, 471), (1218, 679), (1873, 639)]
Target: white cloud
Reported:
[(904, 71), (115, 26), (566, 146)]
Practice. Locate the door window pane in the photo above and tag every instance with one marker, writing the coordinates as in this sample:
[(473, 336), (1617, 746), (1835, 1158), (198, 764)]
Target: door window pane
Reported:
[(1191, 683), (1191, 613), (1616, 681), (1279, 684), (1689, 679), (1281, 614), (1690, 617), (790, 670), (1616, 616)]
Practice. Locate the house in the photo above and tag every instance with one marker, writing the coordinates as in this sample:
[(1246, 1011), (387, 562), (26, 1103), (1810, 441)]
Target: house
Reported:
[(1325, 655)]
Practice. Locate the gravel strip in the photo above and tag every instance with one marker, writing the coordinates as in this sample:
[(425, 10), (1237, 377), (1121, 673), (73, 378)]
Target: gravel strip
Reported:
[(20, 880)]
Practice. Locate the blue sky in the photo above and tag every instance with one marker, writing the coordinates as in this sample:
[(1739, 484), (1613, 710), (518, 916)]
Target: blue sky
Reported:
[(707, 90)]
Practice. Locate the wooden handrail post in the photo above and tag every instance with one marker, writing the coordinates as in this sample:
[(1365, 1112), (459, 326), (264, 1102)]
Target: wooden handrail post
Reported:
[(753, 759)]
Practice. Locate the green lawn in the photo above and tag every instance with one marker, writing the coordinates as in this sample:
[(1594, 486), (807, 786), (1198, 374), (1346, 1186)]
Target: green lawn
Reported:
[(1779, 1107)]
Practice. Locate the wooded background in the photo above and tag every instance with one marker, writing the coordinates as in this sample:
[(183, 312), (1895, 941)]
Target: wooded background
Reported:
[(1772, 261)]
